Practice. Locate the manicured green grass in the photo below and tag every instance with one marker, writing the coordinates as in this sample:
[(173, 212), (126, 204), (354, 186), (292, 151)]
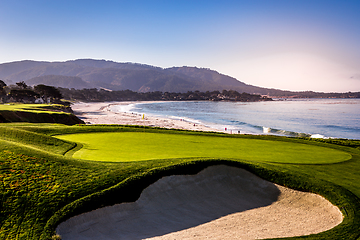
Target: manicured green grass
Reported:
[(38, 108), (37, 113), (138, 146), (40, 187)]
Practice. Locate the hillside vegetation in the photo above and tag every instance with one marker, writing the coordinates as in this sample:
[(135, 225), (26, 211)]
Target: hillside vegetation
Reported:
[(95, 95), (89, 73), (113, 76), (42, 185)]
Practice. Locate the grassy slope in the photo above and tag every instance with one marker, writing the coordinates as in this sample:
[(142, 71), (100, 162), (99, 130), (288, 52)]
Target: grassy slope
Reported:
[(35, 108), (37, 113), (36, 184)]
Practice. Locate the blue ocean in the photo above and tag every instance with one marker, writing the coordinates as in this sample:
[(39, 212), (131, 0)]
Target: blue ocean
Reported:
[(323, 118)]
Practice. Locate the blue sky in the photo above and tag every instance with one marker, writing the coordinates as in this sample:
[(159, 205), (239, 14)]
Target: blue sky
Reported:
[(293, 44)]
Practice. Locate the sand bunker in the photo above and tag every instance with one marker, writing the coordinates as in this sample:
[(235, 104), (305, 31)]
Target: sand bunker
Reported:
[(220, 202)]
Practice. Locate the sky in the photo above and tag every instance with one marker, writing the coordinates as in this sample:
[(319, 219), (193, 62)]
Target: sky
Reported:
[(298, 45)]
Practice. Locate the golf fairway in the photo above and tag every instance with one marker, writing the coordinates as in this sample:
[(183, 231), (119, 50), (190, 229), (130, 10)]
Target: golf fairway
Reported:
[(139, 146)]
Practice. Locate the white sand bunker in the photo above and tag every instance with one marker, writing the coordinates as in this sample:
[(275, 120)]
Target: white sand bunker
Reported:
[(220, 202)]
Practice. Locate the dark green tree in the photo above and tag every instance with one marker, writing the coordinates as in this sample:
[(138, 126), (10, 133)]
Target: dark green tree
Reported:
[(2, 84), (22, 85), (48, 92), (2, 91), (23, 95)]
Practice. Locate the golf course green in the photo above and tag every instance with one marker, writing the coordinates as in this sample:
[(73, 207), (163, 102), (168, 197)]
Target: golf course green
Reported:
[(139, 146), (51, 172)]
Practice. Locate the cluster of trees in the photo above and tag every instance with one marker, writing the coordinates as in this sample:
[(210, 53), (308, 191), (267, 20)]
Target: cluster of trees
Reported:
[(21, 92), (95, 95), (311, 94), (41, 93)]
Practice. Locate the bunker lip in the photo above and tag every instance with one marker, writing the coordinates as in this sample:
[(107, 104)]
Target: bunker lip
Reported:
[(220, 202)]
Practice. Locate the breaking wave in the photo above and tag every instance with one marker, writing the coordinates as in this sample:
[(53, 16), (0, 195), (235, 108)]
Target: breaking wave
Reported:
[(285, 118)]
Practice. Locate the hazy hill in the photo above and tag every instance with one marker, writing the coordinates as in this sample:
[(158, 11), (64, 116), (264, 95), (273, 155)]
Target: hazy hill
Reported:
[(89, 73), (9, 69), (212, 80), (60, 81), (111, 75)]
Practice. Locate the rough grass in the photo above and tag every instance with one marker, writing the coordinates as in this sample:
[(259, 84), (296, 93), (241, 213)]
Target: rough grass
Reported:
[(138, 146), (40, 188)]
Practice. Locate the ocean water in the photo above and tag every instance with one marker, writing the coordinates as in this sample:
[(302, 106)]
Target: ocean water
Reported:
[(325, 118)]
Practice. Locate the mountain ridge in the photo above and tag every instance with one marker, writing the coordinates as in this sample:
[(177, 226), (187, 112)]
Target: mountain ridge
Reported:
[(115, 76)]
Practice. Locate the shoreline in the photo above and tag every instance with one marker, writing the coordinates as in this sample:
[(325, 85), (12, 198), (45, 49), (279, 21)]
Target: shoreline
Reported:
[(100, 113)]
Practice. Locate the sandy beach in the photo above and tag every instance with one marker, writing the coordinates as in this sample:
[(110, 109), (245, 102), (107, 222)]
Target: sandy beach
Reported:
[(100, 113)]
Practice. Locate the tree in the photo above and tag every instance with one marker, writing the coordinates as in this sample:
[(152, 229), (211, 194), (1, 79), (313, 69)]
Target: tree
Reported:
[(22, 85), (23, 95), (2, 91), (2, 84), (48, 92)]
